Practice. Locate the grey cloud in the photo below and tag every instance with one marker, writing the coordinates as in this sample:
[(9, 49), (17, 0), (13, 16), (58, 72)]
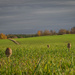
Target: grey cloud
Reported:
[(29, 16), (22, 2), (51, 11)]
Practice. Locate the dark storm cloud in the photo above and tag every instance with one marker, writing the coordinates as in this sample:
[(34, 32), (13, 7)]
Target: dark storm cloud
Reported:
[(28, 16)]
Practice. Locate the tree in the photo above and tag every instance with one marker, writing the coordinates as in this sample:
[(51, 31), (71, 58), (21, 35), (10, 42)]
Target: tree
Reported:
[(3, 36), (39, 33), (47, 32), (67, 32), (73, 30), (52, 32), (62, 31)]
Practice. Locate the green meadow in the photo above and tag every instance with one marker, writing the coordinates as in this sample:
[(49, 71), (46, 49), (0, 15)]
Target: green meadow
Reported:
[(33, 57)]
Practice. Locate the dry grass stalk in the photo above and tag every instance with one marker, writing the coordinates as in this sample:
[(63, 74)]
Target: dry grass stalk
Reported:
[(0, 65), (8, 52), (69, 46), (48, 46)]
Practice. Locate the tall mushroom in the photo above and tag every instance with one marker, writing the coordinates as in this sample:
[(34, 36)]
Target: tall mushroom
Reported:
[(8, 52), (69, 46)]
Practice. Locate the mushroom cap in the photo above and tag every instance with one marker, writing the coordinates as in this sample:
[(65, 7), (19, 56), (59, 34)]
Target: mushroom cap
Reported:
[(8, 52)]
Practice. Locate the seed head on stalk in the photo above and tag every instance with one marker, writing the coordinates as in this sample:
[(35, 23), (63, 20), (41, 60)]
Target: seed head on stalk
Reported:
[(48, 46), (69, 46), (8, 52), (0, 65)]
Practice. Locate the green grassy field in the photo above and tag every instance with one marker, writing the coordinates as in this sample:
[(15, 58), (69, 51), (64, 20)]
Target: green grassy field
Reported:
[(32, 57)]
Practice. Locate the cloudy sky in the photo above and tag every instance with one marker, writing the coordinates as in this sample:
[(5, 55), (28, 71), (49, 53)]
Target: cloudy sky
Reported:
[(29, 16)]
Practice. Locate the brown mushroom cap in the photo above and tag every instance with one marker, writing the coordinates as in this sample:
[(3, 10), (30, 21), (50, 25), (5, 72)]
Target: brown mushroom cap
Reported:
[(8, 52)]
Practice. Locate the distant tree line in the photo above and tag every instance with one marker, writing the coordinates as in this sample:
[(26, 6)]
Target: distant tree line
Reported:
[(21, 35), (52, 32), (39, 33)]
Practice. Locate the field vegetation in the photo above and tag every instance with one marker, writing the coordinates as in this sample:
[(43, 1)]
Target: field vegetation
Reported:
[(33, 57)]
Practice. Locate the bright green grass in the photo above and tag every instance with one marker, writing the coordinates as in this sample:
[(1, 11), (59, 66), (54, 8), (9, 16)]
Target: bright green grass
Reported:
[(32, 57)]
